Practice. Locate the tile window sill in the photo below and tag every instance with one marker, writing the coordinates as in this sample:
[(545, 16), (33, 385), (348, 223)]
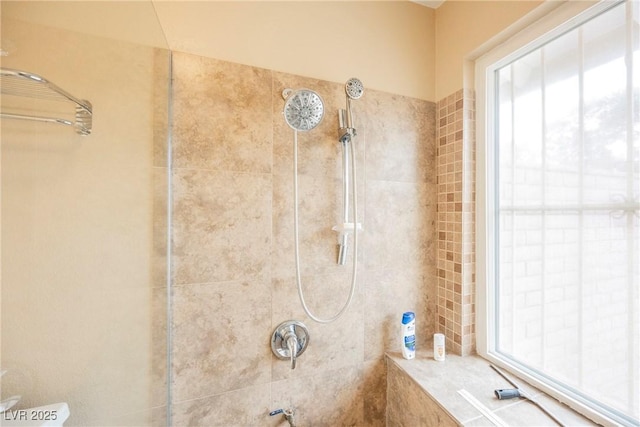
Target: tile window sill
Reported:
[(424, 392)]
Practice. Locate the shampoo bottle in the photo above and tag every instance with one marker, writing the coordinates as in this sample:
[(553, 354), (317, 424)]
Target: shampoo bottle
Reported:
[(438, 347), (409, 335)]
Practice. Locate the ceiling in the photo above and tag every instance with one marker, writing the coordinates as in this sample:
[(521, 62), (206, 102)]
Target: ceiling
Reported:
[(433, 4)]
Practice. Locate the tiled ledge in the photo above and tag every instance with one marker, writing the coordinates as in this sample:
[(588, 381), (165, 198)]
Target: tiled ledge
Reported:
[(424, 392)]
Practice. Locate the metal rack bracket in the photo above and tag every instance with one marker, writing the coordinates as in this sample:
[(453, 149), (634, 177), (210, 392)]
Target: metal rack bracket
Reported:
[(24, 84)]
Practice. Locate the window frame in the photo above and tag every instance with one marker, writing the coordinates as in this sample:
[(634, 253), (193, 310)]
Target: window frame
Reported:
[(523, 39)]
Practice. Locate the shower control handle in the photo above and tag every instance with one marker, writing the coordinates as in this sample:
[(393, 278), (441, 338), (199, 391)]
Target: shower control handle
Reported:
[(292, 344), (289, 340)]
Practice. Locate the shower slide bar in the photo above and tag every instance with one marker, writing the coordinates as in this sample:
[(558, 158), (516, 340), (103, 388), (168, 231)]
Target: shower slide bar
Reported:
[(24, 84)]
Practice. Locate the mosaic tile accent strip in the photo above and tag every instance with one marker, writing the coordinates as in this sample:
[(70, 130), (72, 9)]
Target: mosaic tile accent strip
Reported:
[(455, 133)]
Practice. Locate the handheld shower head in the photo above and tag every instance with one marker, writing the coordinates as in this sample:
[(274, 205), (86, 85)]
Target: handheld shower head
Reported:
[(303, 110), (354, 88)]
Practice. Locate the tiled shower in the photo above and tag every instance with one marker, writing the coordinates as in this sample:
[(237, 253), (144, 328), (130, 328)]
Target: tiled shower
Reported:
[(233, 260), (187, 181), (222, 196)]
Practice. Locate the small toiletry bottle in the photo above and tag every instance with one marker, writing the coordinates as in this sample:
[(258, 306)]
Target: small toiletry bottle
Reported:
[(438, 347), (409, 335)]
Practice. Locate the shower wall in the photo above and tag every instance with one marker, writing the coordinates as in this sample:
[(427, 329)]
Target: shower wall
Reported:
[(232, 246), (83, 284)]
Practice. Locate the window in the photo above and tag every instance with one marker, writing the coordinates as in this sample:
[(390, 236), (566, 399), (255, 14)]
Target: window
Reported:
[(559, 190)]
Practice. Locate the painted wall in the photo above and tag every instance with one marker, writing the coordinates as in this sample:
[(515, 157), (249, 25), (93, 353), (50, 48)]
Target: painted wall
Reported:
[(233, 256), (133, 21), (397, 46), (463, 26), (83, 292), (389, 44)]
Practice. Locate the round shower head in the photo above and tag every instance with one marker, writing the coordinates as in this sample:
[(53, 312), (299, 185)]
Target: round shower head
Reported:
[(303, 110), (354, 88)]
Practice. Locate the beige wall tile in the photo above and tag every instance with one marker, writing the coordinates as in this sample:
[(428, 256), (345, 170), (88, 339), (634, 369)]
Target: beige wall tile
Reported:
[(220, 338), (221, 115), (399, 224), (221, 226), (399, 134), (388, 294), (334, 345), (221, 234), (408, 404), (160, 220), (248, 406), (330, 399), (319, 209), (374, 374)]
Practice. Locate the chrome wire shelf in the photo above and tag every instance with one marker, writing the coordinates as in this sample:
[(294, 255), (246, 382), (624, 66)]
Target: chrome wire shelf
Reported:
[(25, 84)]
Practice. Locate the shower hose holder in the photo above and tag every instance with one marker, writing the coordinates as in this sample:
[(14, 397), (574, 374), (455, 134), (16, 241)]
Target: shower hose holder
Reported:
[(347, 227), (343, 231)]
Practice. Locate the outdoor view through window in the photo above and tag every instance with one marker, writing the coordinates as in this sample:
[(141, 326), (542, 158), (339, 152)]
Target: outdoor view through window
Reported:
[(568, 211)]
